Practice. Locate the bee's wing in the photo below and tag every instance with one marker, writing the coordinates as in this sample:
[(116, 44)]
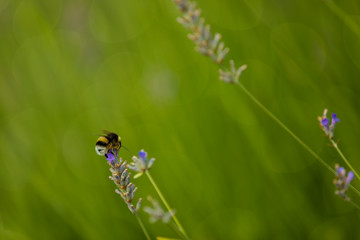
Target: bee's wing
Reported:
[(106, 132)]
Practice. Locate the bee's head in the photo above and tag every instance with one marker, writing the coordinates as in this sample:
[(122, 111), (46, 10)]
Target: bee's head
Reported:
[(100, 150)]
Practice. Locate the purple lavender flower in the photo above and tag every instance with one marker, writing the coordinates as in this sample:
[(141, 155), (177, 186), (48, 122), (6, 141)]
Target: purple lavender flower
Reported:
[(334, 120), (112, 155), (141, 164), (143, 155), (349, 178), (325, 123), (342, 181)]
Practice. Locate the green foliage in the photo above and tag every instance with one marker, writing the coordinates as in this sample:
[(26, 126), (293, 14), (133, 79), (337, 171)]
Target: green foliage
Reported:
[(72, 68)]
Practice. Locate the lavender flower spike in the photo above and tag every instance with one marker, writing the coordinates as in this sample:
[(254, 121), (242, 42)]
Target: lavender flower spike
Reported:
[(206, 42), (342, 181), (325, 124), (121, 177), (141, 164)]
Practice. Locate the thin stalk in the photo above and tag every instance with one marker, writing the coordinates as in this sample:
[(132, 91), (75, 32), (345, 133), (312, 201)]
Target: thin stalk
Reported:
[(173, 227), (355, 189), (271, 115), (344, 158), (143, 227), (355, 205), (304, 145), (166, 205)]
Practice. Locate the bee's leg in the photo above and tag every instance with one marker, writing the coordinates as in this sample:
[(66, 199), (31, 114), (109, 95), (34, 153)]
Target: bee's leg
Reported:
[(115, 151), (107, 151)]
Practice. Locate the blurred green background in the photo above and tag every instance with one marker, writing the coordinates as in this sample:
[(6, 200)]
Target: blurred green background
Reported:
[(72, 68)]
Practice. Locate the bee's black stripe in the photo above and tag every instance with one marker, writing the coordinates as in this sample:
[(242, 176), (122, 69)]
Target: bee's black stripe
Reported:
[(100, 143)]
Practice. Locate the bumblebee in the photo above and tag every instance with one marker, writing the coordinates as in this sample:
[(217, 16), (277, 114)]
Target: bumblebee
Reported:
[(107, 142)]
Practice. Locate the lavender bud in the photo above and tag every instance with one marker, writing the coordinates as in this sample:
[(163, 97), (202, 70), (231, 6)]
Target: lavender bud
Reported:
[(342, 181), (138, 205)]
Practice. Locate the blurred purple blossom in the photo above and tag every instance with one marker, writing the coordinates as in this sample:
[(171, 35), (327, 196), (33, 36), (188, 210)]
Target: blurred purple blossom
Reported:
[(334, 120), (342, 181), (324, 123)]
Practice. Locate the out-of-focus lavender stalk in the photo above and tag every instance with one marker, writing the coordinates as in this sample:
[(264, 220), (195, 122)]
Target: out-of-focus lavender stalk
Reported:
[(190, 19), (342, 182), (328, 127), (206, 42)]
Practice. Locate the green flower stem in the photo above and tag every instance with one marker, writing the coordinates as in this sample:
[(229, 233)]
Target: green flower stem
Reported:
[(355, 205), (355, 189), (344, 158), (166, 205), (271, 115), (174, 227), (143, 227)]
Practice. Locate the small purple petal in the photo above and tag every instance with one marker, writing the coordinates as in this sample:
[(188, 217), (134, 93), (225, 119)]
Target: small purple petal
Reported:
[(110, 157), (350, 177), (334, 118), (142, 155), (325, 122), (340, 171)]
